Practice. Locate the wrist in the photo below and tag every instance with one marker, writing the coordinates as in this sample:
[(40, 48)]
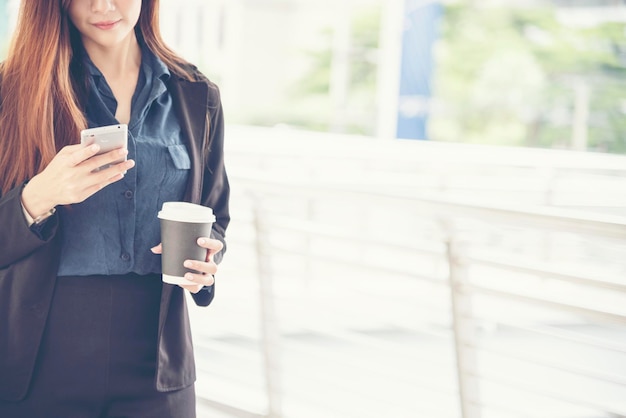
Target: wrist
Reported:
[(37, 206)]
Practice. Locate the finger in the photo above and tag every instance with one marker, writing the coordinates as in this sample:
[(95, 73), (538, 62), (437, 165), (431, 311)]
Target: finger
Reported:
[(201, 279), (117, 168), (79, 153), (214, 245), (116, 172), (90, 190), (201, 266), (70, 149), (106, 159), (157, 249), (109, 176)]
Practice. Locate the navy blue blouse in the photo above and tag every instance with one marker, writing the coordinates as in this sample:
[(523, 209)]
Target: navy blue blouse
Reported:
[(112, 231)]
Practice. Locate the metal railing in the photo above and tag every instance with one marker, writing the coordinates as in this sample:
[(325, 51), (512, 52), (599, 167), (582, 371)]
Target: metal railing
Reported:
[(442, 308)]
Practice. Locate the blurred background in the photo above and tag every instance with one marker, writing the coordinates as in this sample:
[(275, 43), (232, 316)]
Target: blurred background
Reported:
[(429, 207)]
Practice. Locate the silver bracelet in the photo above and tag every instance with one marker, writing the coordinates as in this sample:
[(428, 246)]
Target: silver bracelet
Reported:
[(39, 219)]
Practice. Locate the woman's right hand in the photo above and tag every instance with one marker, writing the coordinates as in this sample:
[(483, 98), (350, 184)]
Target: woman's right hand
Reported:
[(70, 177)]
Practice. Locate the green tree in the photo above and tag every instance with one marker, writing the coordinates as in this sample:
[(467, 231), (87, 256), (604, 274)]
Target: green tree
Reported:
[(509, 76), (310, 105)]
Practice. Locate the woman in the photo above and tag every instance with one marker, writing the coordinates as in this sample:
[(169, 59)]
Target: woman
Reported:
[(87, 327)]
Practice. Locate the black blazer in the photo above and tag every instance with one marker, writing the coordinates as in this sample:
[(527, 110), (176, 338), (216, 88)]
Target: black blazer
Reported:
[(28, 263)]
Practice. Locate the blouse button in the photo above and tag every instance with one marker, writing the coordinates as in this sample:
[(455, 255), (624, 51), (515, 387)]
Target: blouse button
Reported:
[(128, 194), (125, 256)]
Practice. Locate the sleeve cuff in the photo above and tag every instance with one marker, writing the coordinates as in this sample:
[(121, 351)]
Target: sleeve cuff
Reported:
[(39, 220), (29, 219)]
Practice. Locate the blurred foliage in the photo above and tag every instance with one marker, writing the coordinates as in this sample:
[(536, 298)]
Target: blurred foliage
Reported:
[(503, 75), (510, 76), (310, 103)]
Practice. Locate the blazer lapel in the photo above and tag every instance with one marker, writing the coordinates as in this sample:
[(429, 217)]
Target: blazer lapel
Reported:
[(190, 101)]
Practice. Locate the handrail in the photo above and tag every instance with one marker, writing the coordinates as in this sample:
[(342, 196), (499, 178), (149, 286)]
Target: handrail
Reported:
[(501, 379), (563, 367), (557, 219), (548, 272), (309, 227), (291, 143), (551, 332)]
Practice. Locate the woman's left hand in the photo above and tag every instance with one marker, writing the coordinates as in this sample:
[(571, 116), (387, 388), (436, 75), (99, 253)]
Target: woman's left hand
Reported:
[(207, 268)]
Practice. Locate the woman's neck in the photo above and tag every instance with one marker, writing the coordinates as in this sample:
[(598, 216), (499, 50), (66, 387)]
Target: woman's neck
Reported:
[(116, 61)]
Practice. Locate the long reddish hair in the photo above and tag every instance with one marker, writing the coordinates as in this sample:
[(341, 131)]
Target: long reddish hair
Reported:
[(40, 89)]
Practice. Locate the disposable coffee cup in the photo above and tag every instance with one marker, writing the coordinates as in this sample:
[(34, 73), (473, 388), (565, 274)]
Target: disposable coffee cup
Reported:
[(182, 224)]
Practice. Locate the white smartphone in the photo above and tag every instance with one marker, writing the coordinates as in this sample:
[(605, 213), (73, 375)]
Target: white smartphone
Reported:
[(108, 137)]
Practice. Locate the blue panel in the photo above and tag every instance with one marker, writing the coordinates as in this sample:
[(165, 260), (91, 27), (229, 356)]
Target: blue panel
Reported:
[(421, 22)]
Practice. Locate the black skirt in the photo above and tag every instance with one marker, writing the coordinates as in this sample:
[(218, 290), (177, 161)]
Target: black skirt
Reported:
[(99, 351)]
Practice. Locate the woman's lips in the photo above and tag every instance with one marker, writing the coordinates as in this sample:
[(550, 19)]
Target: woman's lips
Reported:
[(106, 25)]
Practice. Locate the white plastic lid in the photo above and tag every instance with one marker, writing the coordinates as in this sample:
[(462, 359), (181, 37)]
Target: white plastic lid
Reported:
[(186, 212)]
